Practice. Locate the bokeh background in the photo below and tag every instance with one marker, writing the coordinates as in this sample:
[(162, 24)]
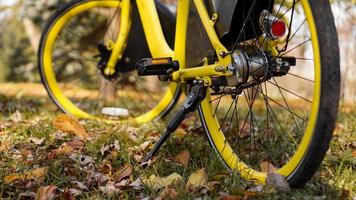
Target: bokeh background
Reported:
[(21, 22)]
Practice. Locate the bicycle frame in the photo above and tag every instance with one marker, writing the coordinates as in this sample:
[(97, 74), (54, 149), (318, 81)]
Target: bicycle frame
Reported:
[(158, 45)]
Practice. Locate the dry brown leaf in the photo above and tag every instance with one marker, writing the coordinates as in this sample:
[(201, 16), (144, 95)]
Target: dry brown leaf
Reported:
[(46, 193), (64, 149), (158, 182), (66, 123), (2, 133), (109, 189), (183, 158), (132, 134), (76, 144), (211, 185), (197, 179), (36, 141), (5, 145), (180, 133), (27, 195), (169, 193), (230, 197), (267, 167), (37, 174), (16, 117), (354, 154), (277, 181), (125, 172), (145, 145)]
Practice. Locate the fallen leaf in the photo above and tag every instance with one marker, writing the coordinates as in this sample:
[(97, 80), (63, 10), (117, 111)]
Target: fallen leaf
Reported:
[(109, 189), (197, 179), (46, 193), (5, 145), (211, 185), (230, 197), (27, 155), (80, 185), (104, 149), (64, 149), (27, 195), (345, 194), (137, 184), (168, 193), (267, 167), (278, 182), (138, 157), (66, 123), (60, 135), (257, 189), (37, 174), (74, 192), (86, 160), (76, 144), (132, 134), (36, 141), (16, 117), (249, 194), (125, 172), (354, 154), (144, 145), (156, 183), (2, 133), (123, 184), (183, 158), (180, 133)]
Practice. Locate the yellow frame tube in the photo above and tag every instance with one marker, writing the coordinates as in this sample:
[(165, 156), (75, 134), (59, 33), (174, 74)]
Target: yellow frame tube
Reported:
[(160, 49), (181, 32), (121, 42), (199, 73), (153, 30), (209, 26)]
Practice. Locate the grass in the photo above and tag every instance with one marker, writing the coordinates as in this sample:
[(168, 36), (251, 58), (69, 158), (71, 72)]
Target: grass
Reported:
[(335, 179)]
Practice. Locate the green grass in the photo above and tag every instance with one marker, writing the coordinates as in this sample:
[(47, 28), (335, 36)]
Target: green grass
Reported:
[(335, 179)]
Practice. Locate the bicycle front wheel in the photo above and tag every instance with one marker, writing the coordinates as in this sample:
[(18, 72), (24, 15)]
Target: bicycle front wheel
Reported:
[(283, 125), (75, 47)]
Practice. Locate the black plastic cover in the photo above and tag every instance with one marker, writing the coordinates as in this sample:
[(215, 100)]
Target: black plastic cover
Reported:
[(233, 13)]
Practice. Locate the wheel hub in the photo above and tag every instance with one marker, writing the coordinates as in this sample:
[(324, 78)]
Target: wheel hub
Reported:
[(258, 66)]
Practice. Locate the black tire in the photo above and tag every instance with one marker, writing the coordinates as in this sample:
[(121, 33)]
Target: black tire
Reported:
[(330, 93)]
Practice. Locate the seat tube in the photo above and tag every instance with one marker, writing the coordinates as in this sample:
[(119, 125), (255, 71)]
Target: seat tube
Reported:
[(156, 41), (181, 32)]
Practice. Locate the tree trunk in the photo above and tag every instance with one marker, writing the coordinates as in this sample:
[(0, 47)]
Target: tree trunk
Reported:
[(33, 33)]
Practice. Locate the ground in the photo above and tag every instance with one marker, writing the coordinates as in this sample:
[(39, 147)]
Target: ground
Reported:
[(46, 154)]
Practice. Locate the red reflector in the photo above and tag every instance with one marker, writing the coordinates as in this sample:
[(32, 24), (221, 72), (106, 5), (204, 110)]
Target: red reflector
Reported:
[(278, 29)]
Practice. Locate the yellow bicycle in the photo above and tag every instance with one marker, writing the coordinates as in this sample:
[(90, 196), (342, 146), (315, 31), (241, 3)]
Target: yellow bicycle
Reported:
[(263, 75)]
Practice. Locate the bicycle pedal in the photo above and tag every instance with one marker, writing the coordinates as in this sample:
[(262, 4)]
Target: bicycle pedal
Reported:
[(156, 66)]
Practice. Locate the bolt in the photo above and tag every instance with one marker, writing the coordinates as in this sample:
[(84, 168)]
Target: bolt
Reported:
[(220, 69)]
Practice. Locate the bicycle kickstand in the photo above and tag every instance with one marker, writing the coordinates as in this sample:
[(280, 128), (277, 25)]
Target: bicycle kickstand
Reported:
[(196, 95)]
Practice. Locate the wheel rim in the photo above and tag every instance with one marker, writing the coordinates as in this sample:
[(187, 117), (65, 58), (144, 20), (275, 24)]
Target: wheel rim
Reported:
[(236, 159), (143, 106)]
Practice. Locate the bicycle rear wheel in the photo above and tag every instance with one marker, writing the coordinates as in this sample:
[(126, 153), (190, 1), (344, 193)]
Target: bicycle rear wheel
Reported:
[(74, 48), (283, 125)]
